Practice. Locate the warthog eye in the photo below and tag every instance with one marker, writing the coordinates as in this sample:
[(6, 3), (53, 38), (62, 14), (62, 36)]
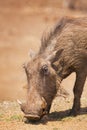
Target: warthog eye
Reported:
[(45, 70)]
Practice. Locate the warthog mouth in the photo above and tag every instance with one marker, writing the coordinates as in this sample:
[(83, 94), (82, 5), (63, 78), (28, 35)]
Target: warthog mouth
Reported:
[(32, 117)]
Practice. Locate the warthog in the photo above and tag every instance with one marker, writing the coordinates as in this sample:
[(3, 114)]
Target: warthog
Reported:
[(62, 51)]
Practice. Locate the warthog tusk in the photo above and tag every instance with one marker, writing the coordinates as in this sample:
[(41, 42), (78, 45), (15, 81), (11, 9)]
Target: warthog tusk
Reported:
[(19, 102), (44, 100)]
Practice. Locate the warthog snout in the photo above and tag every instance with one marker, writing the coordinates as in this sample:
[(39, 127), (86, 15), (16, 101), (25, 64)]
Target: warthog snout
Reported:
[(35, 110), (32, 117)]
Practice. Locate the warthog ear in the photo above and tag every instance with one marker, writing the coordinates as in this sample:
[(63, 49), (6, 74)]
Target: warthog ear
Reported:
[(57, 55), (54, 56)]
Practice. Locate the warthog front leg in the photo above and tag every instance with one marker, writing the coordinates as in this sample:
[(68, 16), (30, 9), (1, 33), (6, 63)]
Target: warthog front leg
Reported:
[(78, 88)]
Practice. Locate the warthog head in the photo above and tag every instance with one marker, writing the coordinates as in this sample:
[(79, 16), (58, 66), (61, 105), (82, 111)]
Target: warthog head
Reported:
[(43, 83)]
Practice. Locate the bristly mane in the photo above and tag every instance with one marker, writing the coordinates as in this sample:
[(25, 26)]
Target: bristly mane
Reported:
[(47, 37)]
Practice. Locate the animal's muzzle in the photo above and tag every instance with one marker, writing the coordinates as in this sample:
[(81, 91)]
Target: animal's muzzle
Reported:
[(32, 117)]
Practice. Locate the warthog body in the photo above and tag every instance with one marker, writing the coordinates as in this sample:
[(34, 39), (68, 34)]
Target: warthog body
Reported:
[(62, 51)]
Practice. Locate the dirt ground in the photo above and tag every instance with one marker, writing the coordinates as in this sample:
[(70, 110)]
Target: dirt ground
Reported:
[(21, 27)]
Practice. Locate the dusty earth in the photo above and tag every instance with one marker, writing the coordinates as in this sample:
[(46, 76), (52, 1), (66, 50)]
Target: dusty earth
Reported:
[(21, 27)]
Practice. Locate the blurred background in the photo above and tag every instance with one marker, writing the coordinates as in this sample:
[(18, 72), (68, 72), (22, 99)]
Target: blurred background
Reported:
[(22, 23)]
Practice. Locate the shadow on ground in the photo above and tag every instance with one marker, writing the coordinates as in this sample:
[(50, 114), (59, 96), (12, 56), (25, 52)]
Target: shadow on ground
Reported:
[(57, 116)]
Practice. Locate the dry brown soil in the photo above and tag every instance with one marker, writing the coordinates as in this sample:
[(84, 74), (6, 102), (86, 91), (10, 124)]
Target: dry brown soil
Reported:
[(21, 27)]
